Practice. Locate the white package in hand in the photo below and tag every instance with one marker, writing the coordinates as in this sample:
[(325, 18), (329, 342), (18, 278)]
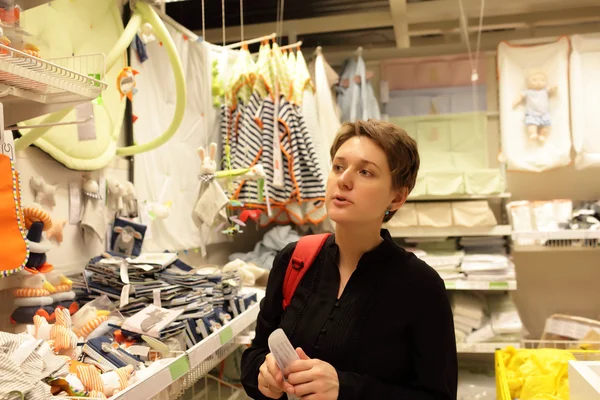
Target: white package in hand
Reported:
[(283, 351)]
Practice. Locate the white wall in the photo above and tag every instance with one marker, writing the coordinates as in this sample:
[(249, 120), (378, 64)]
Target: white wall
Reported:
[(72, 254)]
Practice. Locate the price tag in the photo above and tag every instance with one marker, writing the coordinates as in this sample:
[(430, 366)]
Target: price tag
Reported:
[(124, 273), (226, 335), (138, 350), (499, 285), (125, 295), (102, 188), (156, 296), (450, 285), (179, 367), (7, 146), (74, 203)]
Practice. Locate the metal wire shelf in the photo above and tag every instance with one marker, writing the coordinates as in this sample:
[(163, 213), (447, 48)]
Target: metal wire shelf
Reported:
[(50, 81), (562, 239)]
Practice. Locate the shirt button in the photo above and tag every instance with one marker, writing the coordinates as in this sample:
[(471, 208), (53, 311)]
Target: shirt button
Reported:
[(323, 331), (317, 347), (337, 303)]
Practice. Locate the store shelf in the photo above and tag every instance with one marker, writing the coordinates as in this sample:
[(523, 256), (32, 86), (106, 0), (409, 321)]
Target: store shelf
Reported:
[(429, 232), (211, 345), (197, 361), (484, 348), (31, 87), (481, 285), (156, 383), (459, 197)]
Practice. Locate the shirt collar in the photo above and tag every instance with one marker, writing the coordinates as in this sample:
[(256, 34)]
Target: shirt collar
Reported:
[(378, 252)]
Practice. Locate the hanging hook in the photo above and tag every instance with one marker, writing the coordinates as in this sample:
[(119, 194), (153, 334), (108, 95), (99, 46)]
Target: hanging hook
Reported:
[(203, 23), (242, 19), (223, 20)]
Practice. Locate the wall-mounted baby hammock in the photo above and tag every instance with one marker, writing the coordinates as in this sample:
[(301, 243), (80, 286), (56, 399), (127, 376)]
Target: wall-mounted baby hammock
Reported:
[(87, 33)]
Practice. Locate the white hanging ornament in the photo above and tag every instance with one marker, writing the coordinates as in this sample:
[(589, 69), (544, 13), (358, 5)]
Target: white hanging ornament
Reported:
[(146, 33), (474, 76)]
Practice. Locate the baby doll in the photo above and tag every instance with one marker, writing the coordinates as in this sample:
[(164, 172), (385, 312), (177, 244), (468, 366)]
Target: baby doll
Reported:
[(537, 108)]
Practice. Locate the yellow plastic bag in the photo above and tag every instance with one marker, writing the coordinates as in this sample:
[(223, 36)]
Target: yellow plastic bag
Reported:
[(537, 374)]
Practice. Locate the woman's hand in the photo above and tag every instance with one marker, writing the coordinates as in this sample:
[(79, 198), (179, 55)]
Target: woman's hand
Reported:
[(312, 379), (270, 379)]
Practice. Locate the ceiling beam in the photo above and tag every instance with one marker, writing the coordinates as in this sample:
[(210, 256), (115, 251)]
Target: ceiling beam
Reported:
[(427, 46), (420, 16), (545, 18), (400, 19), (334, 23), (441, 10)]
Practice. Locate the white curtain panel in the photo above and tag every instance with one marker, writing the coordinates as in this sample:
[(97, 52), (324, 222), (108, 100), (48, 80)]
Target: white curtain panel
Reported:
[(585, 99), (170, 173)]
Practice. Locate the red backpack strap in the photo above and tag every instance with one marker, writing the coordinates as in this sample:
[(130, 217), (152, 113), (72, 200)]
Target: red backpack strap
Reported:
[(304, 254)]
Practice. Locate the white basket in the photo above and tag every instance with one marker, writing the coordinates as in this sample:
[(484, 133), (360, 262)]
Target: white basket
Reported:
[(565, 238), (561, 344)]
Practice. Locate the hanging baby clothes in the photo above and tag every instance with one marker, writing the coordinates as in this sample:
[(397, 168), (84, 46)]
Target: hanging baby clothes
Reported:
[(306, 98), (325, 79), (305, 105), (271, 131), (357, 100), (248, 124)]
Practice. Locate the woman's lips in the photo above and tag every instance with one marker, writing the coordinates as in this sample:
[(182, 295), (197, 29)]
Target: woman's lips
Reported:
[(341, 201)]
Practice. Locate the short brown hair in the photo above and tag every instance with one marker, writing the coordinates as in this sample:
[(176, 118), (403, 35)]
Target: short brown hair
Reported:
[(400, 149)]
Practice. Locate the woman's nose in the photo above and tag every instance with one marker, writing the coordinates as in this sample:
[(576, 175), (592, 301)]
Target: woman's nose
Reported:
[(345, 180)]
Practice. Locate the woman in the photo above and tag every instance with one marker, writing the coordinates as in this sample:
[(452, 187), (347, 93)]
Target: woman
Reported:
[(369, 319)]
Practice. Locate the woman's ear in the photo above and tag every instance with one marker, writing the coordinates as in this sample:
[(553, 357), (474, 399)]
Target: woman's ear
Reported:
[(399, 199)]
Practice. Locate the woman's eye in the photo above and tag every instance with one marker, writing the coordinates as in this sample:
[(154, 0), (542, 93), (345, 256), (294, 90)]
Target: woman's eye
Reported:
[(364, 172), (337, 167)]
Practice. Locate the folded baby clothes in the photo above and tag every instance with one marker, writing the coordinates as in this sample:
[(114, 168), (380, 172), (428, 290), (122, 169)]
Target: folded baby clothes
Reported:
[(473, 263), (151, 320), (24, 374), (468, 304)]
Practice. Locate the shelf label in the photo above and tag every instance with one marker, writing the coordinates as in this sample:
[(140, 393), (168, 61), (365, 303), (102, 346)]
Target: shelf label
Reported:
[(498, 285), (450, 285), (226, 335), (98, 100), (179, 368)]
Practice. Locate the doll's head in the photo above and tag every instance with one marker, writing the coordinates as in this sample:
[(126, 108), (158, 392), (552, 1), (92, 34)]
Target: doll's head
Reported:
[(537, 80)]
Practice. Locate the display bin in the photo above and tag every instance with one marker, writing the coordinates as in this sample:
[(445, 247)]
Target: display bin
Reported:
[(578, 348)]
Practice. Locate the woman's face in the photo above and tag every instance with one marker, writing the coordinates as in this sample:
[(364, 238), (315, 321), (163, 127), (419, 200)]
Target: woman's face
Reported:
[(359, 188)]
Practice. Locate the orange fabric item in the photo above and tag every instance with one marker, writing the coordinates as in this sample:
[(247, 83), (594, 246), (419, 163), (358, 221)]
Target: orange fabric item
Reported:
[(33, 214), (14, 250)]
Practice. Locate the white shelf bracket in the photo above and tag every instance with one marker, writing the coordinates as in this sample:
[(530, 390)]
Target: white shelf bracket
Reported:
[(50, 125)]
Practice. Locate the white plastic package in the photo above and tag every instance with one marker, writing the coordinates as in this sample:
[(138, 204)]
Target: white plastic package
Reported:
[(543, 213), (520, 216)]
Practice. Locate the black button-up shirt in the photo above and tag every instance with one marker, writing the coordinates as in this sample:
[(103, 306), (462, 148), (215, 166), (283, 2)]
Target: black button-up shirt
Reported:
[(390, 335)]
